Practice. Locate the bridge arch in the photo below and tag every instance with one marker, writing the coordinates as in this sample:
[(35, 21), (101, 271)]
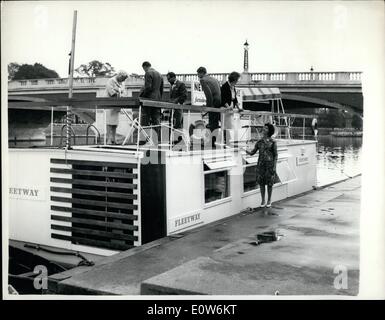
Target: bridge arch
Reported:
[(321, 103)]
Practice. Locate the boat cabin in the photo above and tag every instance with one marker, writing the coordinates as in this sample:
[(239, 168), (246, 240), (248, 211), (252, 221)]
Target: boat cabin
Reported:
[(102, 199)]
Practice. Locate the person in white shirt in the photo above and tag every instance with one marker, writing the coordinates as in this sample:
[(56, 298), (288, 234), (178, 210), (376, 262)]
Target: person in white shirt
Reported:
[(114, 88), (314, 127)]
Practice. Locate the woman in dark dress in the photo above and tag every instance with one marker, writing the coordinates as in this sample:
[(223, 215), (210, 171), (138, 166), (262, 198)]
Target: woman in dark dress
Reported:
[(267, 162)]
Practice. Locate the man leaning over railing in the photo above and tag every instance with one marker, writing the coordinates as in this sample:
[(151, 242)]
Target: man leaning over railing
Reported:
[(212, 91)]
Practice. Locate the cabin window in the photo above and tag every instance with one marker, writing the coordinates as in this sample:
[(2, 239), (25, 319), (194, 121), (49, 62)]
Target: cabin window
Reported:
[(284, 173), (249, 178), (218, 162), (249, 173), (216, 177), (216, 185)]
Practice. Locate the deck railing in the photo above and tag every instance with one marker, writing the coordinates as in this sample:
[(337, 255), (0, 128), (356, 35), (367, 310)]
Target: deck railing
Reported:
[(254, 77)]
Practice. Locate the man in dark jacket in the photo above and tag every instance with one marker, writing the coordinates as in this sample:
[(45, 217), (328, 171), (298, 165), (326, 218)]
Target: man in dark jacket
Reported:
[(230, 102), (153, 89), (212, 91), (178, 94)]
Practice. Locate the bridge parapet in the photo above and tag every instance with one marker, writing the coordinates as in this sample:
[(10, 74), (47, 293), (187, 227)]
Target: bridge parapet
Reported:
[(288, 77), (63, 83), (268, 78)]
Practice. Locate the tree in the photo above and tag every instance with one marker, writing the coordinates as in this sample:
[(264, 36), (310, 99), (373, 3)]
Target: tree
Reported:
[(36, 71), (95, 68), (356, 122), (331, 118), (13, 67)]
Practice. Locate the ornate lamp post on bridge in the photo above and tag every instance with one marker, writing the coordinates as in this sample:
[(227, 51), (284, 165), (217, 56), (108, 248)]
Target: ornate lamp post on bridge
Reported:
[(245, 76), (246, 57)]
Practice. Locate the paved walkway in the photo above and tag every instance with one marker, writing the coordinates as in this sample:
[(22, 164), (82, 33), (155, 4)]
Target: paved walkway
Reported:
[(320, 236)]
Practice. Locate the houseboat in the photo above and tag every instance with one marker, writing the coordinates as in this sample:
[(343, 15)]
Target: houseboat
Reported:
[(98, 200)]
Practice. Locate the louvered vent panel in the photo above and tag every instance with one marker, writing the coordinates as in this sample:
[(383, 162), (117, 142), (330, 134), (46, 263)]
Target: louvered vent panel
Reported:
[(95, 203)]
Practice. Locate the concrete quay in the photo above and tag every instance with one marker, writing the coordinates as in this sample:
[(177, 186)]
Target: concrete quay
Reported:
[(316, 254)]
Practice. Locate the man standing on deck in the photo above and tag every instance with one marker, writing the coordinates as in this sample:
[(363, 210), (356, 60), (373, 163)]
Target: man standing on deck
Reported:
[(178, 95), (153, 89), (212, 91)]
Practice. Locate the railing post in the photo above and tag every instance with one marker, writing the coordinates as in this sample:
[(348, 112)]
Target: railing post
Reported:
[(105, 126), (51, 126)]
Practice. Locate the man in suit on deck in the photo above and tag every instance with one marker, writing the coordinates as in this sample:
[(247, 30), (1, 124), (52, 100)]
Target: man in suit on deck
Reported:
[(178, 94), (212, 91), (230, 102), (153, 89)]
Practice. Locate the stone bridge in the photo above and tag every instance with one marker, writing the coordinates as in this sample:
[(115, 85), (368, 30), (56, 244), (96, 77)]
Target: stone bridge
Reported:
[(300, 90)]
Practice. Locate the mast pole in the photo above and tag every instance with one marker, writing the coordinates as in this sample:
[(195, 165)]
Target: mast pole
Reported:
[(70, 81)]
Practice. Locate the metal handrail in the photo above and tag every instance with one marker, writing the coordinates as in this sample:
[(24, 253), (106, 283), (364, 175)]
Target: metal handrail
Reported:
[(88, 128)]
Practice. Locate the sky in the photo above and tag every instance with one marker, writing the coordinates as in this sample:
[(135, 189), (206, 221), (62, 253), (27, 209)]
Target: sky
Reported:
[(180, 36)]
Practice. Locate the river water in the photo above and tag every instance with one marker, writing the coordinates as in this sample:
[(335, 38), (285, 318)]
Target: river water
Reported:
[(338, 158)]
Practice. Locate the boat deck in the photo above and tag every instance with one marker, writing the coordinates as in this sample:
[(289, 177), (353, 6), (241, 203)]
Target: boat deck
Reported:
[(320, 230)]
